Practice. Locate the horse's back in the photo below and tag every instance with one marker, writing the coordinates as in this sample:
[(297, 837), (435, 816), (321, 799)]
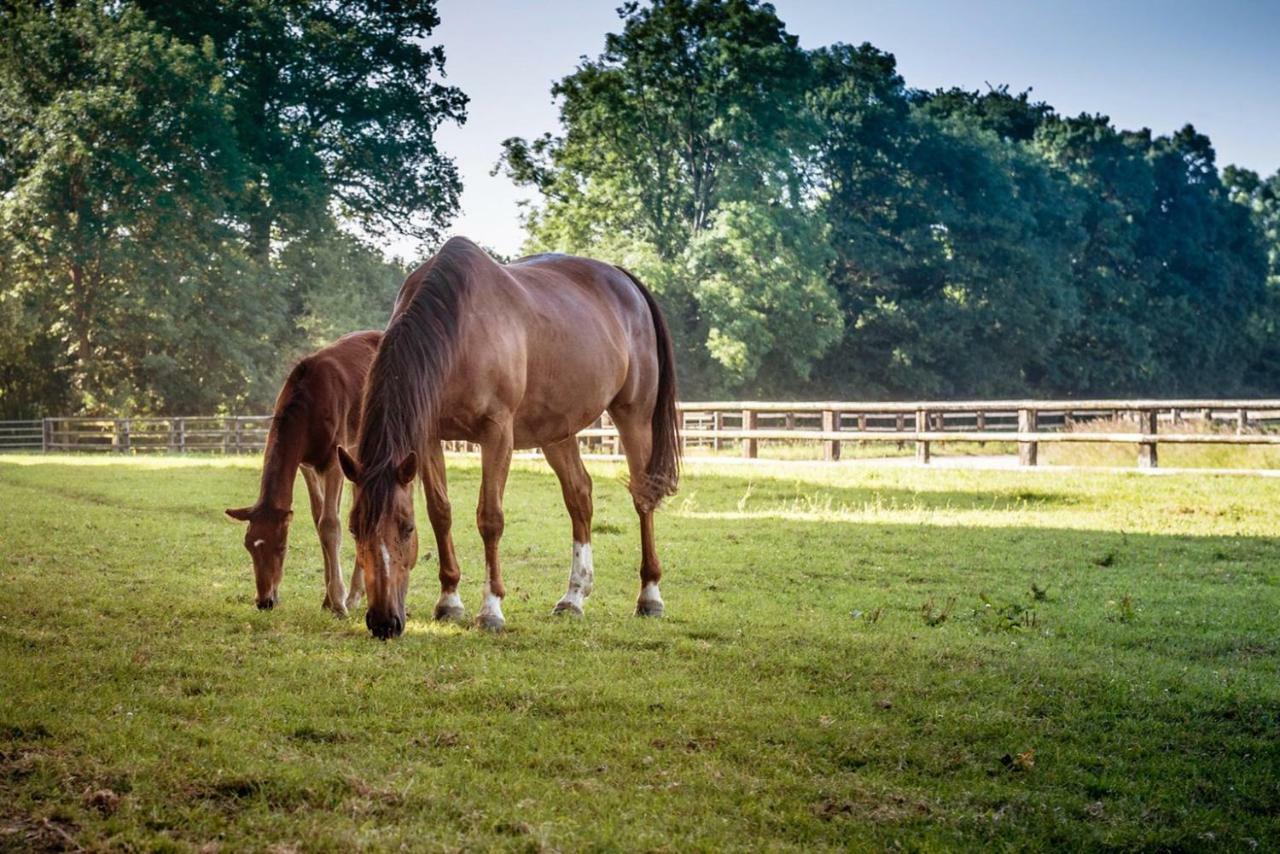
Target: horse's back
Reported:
[(330, 383), (590, 338)]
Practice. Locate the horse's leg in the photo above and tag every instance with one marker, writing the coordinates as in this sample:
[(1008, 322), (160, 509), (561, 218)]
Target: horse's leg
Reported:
[(315, 493), (330, 529), (495, 461), (637, 441), (435, 486), (575, 483)]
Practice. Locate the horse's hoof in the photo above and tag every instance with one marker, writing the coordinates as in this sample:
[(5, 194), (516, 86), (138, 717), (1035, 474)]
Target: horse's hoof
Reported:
[(491, 622), (449, 613), (648, 609), (567, 609)]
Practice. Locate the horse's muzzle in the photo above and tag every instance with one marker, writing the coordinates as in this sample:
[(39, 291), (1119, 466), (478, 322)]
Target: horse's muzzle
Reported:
[(384, 627)]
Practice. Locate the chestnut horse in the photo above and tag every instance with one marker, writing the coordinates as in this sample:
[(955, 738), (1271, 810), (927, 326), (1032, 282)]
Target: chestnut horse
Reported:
[(317, 410), (517, 356)]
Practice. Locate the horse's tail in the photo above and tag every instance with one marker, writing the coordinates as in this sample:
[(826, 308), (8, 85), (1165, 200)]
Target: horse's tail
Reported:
[(662, 474)]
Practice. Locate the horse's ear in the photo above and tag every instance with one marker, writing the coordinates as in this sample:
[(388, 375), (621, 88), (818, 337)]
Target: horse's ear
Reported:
[(349, 466), (240, 514), (408, 469)]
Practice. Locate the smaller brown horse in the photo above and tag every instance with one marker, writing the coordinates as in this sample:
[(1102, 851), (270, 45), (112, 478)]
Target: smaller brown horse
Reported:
[(317, 410)]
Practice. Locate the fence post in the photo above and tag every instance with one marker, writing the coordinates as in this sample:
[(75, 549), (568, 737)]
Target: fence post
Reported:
[(900, 424), (830, 423), (122, 435), (750, 447), (717, 424), (1027, 451), (922, 446), (239, 434), (1148, 423), (181, 425), (46, 434), (1242, 421)]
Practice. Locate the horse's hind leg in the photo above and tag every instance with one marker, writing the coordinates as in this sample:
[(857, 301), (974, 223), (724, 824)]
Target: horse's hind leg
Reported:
[(329, 526), (575, 483), (637, 440), (440, 512)]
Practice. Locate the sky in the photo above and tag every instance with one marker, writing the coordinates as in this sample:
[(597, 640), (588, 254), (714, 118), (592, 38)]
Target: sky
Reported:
[(1145, 63)]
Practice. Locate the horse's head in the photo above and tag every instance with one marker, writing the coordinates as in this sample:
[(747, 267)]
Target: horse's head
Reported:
[(386, 540), (266, 540)]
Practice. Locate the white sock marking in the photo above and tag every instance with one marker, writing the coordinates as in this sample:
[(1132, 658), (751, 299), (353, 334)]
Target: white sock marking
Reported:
[(449, 601), (649, 593), (492, 606), (581, 576)]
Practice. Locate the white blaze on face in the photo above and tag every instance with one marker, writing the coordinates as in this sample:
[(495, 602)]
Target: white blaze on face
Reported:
[(581, 577), (386, 561), (257, 544)]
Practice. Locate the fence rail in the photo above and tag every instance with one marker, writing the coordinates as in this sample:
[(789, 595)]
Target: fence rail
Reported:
[(723, 425)]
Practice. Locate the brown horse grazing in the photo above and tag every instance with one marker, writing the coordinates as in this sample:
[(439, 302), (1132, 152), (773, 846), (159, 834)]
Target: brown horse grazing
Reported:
[(317, 410), (516, 356)]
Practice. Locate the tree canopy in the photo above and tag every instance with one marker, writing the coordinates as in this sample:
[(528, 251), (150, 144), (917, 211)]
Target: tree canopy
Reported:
[(189, 195), (172, 182), (817, 227)]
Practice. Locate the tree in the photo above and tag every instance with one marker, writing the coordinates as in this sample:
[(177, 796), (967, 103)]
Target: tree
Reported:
[(1261, 198), (1110, 349), (764, 293), (1209, 268), (686, 127), (113, 181), (164, 171), (335, 107), (952, 240)]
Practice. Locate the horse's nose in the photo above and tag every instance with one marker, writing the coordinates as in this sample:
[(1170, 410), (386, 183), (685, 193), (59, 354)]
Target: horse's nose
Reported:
[(384, 627), (266, 603)]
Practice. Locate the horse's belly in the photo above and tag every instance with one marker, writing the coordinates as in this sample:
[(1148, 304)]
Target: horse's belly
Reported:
[(535, 429), (563, 396)]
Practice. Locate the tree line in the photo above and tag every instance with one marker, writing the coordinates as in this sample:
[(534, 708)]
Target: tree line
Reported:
[(179, 184), (190, 196), (816, 227)]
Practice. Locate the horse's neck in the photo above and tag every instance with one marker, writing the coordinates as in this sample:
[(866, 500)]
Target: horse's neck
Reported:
[(285, 451)]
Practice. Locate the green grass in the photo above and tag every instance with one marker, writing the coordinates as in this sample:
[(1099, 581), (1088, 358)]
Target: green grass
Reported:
[(1171, 455), (852, 658)]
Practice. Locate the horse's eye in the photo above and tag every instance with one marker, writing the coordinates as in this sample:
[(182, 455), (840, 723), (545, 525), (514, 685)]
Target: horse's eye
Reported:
[(406, 528)]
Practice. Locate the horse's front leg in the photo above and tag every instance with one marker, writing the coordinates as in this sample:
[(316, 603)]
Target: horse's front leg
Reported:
[(329, 527), (435, 487), (495, 461)]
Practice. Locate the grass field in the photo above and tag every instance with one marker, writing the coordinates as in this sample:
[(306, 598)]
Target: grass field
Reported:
[(852, 658)]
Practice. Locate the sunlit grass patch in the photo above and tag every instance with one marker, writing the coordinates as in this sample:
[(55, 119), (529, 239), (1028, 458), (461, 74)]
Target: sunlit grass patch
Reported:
[(853, 657)]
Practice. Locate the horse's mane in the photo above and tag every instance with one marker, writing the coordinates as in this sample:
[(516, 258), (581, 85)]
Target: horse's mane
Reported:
[(291, 405), (402, 394), (295, 395)]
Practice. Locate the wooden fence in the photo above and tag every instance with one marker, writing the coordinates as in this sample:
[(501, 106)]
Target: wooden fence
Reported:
[(727, 426)]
